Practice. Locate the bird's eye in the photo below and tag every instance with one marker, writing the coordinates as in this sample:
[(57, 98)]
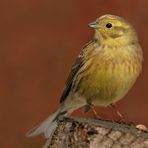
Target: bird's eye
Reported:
[(108, 25)]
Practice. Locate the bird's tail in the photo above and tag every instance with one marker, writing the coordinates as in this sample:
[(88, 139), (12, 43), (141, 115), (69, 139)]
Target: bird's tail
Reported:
[(48, 126)]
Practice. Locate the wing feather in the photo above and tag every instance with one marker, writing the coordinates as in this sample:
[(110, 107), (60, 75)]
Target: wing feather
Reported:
[(75, 68)]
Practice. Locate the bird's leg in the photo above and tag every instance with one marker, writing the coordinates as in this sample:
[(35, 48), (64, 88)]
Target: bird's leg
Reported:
[(121, 117), (94, 111), (89, 106)]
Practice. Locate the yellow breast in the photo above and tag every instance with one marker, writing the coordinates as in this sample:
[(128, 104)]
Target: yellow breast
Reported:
[(109, 76)]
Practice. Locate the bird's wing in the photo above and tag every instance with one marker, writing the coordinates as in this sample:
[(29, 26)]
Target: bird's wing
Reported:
[(75, 68)]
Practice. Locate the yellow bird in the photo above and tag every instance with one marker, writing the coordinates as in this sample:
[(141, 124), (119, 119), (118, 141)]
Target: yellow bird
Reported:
[(105, 70)]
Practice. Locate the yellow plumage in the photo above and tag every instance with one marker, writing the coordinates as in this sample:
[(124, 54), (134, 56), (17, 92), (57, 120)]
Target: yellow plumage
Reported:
[(109, 75), (105, 70)]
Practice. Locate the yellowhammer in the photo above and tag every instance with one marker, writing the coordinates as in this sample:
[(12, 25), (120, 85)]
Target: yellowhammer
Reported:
[(105, 70)]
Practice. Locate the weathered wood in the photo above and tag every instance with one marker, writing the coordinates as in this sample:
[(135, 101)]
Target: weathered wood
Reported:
[(89, 133)]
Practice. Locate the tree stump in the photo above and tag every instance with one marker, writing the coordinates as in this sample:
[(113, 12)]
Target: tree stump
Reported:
[(90, 133)]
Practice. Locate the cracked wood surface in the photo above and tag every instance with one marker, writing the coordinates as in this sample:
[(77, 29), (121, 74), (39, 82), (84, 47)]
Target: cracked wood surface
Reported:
[(89, 133)]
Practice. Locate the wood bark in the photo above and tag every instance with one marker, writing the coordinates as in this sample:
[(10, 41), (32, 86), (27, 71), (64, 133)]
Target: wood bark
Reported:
[(89, 133)]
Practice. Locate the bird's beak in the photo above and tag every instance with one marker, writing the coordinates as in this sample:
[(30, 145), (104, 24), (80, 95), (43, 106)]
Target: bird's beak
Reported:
[(94, 25)]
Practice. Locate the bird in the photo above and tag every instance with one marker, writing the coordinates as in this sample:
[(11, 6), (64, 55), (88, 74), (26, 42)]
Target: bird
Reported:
[(103, 73)]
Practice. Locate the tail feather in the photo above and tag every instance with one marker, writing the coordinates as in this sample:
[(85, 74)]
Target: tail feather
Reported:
[(47, 127)]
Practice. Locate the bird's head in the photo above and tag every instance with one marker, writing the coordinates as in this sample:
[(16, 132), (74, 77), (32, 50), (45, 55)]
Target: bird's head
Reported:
[(111, 29)]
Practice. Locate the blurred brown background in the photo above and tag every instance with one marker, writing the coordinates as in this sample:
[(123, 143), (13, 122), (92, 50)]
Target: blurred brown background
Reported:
[(39, 41)]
